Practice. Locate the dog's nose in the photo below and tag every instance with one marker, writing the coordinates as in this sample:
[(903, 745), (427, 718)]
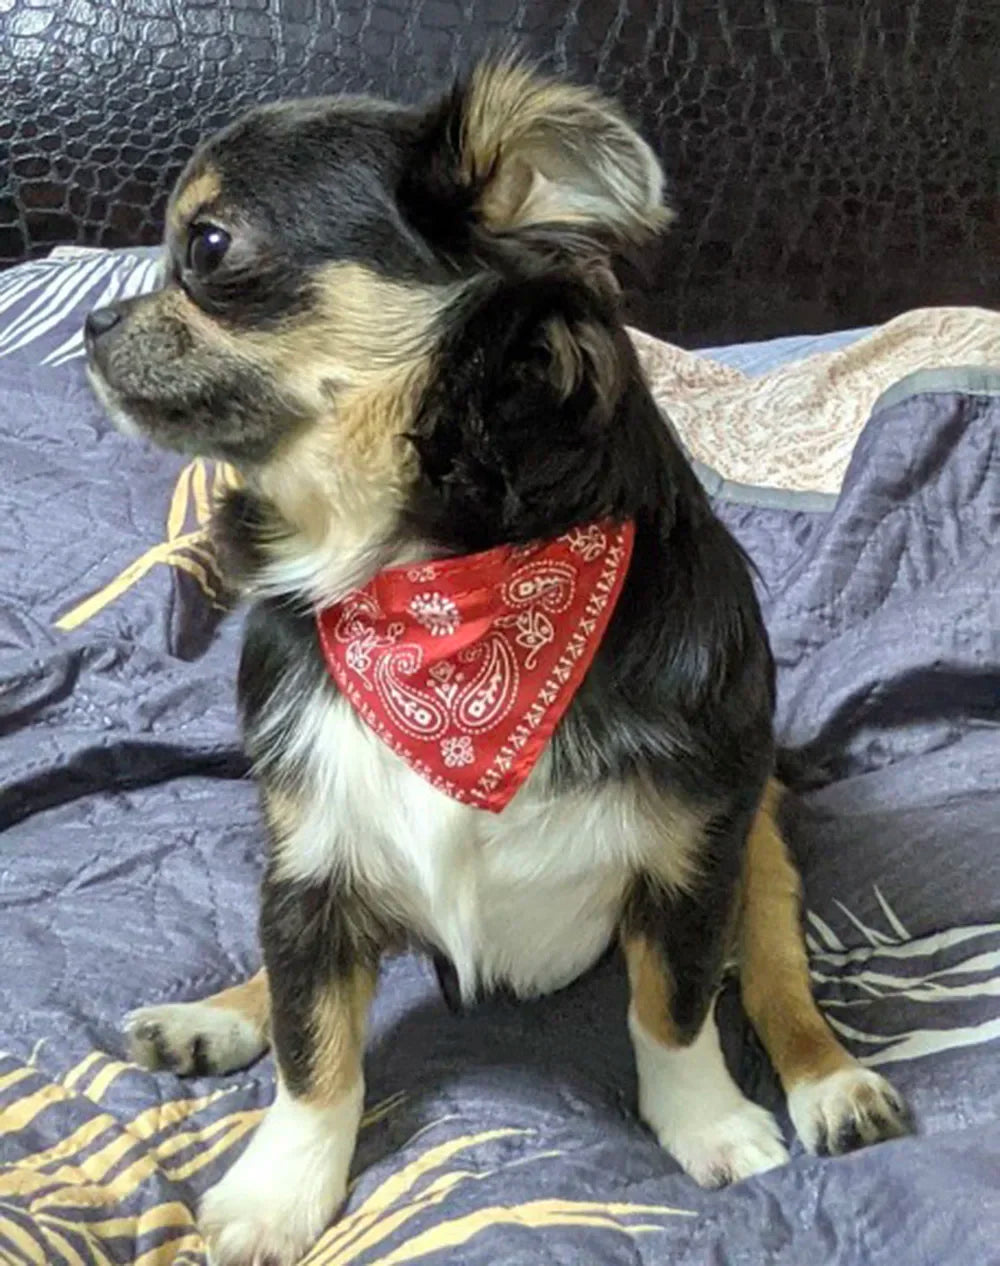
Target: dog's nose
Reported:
[(100, 321)]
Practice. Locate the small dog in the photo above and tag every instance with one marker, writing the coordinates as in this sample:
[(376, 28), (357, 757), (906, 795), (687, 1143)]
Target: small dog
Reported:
[(401, 326)]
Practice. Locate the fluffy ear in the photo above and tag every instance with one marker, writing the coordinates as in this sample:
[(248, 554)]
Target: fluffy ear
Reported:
[(515, 149)]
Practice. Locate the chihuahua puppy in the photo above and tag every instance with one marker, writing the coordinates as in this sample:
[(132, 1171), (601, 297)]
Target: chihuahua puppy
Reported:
[(505, 683)]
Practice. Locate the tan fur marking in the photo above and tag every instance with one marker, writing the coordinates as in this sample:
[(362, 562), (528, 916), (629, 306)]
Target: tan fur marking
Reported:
[(681, 826), (360, 330), (356, 365), (283, 813), (197, 193), (343, 478), (567, 359), (540, 139), (508, 107), (597, 347), (774, 968), (251, 1000), (363, 336), (650, 986), (338, 1029), (372, 324)]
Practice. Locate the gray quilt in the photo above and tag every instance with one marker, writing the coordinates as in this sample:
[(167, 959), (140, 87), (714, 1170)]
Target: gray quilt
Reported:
[(131, 847)]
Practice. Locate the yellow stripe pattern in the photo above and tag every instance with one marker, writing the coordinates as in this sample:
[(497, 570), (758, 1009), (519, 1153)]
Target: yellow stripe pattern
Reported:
[(113, 1190), (187, 546)]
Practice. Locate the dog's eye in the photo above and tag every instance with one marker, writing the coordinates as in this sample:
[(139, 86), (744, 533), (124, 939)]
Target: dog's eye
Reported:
[(207, 246)]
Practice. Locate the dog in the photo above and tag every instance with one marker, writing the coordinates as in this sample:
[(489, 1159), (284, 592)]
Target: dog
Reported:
[(402, 327)]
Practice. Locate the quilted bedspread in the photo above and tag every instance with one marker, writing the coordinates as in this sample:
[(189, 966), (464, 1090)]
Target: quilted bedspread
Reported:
[(130, 850)]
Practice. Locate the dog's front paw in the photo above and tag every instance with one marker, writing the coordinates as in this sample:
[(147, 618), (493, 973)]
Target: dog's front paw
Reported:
[(720, 1149), (268, 1223), (846, 1110), (284, 1190), (193, 1038)]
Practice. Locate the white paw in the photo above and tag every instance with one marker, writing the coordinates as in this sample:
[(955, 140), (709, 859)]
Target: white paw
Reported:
[(716, 1151), (284, 1190), (192, 1037), (246, 1225), (846, 1110)]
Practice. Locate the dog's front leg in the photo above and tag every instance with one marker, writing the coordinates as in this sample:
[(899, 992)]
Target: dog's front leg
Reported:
[(675, 944), (321, 954)]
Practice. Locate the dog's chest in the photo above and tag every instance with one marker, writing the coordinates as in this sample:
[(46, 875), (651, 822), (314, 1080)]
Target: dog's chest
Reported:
[(529, 897)]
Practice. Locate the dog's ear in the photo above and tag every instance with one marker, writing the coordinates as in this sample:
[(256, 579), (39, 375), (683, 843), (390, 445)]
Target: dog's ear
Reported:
[(509, 149)]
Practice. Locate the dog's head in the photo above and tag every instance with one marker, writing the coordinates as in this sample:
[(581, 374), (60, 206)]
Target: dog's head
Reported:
[(324, 258)]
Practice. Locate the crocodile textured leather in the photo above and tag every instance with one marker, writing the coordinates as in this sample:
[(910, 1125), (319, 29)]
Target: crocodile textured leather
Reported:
[(833, 161)]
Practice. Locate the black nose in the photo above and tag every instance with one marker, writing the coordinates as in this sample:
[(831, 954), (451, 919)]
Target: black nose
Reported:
[(100, 321)]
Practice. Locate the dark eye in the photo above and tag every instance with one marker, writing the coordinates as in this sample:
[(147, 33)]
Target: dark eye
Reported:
[(207, 246)]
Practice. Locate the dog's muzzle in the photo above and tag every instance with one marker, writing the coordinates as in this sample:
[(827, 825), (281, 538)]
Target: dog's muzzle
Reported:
[(100, 330)]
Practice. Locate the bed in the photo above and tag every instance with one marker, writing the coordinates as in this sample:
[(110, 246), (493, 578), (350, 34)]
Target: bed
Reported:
[(862, 473)]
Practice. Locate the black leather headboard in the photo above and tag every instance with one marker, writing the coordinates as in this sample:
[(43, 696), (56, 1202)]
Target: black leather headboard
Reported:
[(834, 161)]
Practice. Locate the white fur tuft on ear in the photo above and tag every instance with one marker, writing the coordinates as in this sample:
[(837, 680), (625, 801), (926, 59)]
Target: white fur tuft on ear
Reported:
[(553, 152)]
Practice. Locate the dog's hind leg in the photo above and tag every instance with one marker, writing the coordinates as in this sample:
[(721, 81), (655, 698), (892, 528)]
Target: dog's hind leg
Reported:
[(836, 1104)]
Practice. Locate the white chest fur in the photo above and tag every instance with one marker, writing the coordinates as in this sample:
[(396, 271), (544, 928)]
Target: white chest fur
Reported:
[(529, 897)]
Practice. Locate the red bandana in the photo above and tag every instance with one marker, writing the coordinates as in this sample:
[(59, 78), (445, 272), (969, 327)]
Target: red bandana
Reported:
[(465, 666)]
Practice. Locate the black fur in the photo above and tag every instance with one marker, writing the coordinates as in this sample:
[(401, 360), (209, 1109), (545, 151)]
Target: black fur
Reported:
[(448, 983), (436, 200), (316, 182), (683, 684), (682, 688), (694, 928), (312, 935), (240, 524), (280, 668), (503, 457)]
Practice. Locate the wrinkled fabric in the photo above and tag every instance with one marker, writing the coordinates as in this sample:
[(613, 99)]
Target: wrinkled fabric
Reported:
[(131, 850)]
